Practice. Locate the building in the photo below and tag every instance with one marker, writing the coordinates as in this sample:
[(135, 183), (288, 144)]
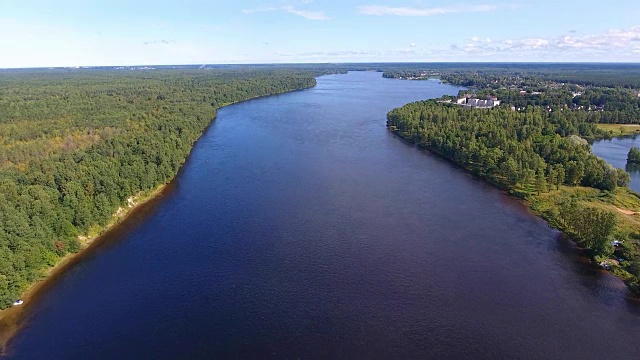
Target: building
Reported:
[(488, 103)]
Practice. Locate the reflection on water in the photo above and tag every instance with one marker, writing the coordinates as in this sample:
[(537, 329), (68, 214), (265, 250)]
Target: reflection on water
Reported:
[(632, 168)]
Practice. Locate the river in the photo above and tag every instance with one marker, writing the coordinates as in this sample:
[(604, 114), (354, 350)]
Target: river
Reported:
[(301, 228), (615, 151)]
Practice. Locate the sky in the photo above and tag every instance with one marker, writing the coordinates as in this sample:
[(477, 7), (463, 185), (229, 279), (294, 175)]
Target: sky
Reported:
[(42, 33)]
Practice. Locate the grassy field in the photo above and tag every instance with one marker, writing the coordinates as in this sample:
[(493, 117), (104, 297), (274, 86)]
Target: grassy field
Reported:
[(620, 129), (622, 202)]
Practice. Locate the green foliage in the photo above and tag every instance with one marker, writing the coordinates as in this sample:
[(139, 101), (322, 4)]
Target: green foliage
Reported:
[(546, 111), (530, 153), (633, 156), (74, 145), (592, 228), (596, 93), (520, 151), (534, 76)]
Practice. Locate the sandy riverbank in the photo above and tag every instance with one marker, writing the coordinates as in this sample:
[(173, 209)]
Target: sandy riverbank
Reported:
[(125, 218)]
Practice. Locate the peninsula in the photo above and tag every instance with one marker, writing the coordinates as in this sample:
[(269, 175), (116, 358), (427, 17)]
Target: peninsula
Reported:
[(532, 145)]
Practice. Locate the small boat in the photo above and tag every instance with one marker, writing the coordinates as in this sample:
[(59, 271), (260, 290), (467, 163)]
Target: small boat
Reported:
[(18, 302)]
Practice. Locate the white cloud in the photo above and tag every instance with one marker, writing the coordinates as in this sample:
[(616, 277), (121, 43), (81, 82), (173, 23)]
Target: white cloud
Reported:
[(158, 42), (307, 14), (259, 10), (412, 11), (623, 42), (290, 9)]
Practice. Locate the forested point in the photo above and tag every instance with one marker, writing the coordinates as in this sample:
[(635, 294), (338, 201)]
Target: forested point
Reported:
[(74, 145), (538, 155), (633, 156)]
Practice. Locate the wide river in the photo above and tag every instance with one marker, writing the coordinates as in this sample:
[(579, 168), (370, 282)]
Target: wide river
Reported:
[(301, 228)]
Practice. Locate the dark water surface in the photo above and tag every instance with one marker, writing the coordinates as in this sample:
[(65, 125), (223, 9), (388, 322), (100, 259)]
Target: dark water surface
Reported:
[(615, 152), (301, 228)]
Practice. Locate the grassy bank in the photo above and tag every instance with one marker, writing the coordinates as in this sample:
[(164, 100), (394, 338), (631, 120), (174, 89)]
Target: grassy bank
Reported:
[(615, 130), (623, 203)]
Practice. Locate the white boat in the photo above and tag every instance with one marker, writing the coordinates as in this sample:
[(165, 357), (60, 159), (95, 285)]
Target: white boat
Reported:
[(17, 302)]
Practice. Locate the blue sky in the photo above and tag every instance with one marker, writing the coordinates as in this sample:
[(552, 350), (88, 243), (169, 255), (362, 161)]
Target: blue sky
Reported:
[(116, 32)]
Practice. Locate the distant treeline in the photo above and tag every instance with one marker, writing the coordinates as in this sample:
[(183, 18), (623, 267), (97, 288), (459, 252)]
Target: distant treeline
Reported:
[(74, 145), (501, 74)]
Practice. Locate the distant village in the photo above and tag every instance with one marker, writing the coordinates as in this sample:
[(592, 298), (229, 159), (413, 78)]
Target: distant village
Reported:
[(470, 100)]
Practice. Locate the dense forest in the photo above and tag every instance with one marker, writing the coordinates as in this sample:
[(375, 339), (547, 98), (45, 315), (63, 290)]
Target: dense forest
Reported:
[(520, 151), (537, 155), (76, 144), (496, 75)]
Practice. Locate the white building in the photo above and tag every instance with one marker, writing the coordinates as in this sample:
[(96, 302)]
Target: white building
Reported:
[(478, 103)]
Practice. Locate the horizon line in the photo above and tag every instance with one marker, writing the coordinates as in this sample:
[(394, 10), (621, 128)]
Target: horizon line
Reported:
[(86, 67)]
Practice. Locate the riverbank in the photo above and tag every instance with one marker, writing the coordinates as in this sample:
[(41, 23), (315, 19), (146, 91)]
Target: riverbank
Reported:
[(622, 202), (12, 319)]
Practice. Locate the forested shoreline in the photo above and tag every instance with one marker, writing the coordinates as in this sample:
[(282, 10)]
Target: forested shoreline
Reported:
[(540, 156), (76, 145)]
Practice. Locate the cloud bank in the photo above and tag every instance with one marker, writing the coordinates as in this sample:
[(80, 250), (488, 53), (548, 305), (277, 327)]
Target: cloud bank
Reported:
[(621, 41)]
